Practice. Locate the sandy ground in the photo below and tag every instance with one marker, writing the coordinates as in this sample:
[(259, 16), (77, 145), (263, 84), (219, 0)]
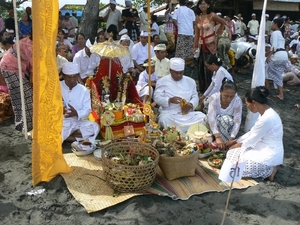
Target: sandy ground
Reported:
[(268, 203)]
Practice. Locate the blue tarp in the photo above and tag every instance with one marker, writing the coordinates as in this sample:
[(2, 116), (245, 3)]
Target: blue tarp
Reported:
[(78, 13)]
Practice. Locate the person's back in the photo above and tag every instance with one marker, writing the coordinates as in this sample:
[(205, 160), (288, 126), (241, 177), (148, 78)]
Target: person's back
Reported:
[(10, 21), (185, 18)]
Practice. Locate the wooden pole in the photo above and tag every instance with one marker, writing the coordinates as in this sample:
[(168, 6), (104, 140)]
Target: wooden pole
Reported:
[(20, 70), (149, 49), (229, 194)]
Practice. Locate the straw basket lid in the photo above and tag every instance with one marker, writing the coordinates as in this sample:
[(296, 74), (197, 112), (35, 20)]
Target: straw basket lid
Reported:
[(110, 49)]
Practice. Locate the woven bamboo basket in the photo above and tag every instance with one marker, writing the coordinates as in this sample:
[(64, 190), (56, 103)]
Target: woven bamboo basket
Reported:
[(127, 178), (178, 166)]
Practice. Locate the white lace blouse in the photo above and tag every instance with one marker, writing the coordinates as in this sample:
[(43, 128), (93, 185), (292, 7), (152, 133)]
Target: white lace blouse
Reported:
[(234, 109)]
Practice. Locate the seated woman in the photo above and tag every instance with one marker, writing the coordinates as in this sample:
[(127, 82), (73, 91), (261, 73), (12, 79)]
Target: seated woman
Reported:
[(225, 114), (214, 64), (143, 82), (261, 148)]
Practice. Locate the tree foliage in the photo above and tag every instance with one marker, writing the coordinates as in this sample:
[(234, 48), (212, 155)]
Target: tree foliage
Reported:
[(140, 3), (7, 5)]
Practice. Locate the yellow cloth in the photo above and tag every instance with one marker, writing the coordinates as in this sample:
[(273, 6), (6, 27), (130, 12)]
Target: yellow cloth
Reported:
[(47, 158)]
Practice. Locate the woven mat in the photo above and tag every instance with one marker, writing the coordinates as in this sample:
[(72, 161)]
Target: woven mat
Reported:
[(87, 185)]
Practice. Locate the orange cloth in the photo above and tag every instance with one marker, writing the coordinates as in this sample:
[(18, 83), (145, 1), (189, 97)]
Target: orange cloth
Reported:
[(47, 158)]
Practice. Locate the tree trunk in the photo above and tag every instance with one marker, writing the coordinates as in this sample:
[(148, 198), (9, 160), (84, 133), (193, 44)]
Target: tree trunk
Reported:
[(89, 21)]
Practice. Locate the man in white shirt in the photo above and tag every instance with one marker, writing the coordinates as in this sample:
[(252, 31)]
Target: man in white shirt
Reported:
[(139, 51), (74, 19), (144, 19), (177, 97), (77, 106), (113, 16), (162, 64), (87, 62), (268, 25), (60, 60), (237, 24), (184, 20), (253, 25)]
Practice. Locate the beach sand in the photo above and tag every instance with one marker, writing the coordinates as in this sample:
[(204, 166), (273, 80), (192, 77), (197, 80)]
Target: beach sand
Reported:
[(268, 203)]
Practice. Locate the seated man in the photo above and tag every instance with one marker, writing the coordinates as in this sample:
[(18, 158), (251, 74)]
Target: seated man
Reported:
[(139, 51), (77, 106), (177, 97), (291, 73), (88, 62), (162, 64)]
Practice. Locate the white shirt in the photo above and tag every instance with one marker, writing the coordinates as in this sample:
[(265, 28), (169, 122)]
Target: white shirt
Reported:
[(139, 53), (185, 18), (234, 109), (162, 67), (169, 113), (74, 21), (143, 21), (114, 18), (126, 62), (253, 27), (265, 140), (238, 25), (277, 41), (143, 83), (240, 48), (216, 81), (86, 64), (79, 98), (156, 28), (60, 60)]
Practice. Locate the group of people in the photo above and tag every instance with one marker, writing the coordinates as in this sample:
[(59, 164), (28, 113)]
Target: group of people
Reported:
[(174, 94)]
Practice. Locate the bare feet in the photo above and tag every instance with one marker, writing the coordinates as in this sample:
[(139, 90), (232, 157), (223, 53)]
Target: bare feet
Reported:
[(279, 97), (271, 177)]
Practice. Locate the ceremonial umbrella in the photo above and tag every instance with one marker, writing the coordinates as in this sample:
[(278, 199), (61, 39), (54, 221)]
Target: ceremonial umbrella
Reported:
[(110, 49)]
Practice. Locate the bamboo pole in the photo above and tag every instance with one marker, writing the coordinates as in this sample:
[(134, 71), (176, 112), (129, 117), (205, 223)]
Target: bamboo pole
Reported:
[(20, 70), (149, 49), (229, 194)]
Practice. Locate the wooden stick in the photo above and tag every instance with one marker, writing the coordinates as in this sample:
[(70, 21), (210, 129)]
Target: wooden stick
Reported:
[(229, 193), (20, 70)]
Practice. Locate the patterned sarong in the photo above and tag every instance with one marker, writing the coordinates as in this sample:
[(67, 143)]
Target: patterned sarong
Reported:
[(275, 70), (184, 47), (13, 83)]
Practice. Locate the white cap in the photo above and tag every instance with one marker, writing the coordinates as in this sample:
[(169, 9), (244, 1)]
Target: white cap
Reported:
[(250, 53), (125, 37), (253, 14), (219, 14), (294, 56), (268, 45), (177, 64), (159, 47), (149, 63), (250, 36), (235, 17), (144, 34), (88, 43), (65, 31), (70, 68), (267, 15), (123, 31), (113, 2)]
